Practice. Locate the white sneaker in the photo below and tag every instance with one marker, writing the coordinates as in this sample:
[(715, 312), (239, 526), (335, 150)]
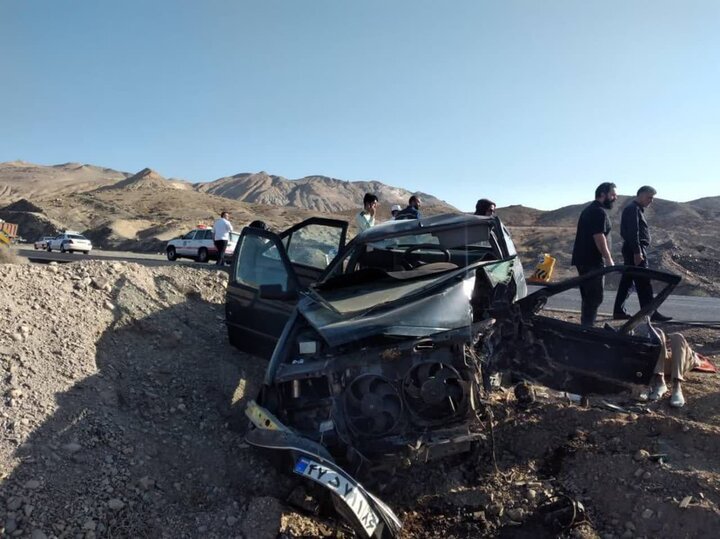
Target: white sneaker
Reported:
[(677, 400), (658, 392)]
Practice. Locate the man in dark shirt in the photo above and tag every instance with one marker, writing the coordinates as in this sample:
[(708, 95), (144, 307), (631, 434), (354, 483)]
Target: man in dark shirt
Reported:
[(636, 240), (412, 211), (592, 249)]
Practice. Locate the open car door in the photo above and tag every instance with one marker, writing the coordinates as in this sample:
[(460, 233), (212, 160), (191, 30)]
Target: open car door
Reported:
[(570, 357), (268, 273)]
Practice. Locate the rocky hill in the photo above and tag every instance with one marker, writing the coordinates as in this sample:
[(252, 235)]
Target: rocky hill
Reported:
[(317, 193), (19, 179), (146, 179)]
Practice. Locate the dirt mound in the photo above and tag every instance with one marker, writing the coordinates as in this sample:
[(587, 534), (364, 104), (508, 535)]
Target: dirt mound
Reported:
[(122, 417), (22, 205), (116, 398)]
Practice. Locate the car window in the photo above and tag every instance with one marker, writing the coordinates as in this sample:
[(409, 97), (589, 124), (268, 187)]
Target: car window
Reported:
[(313, 245), (207, 234), (190, 235), (76, 237), (259, 263)]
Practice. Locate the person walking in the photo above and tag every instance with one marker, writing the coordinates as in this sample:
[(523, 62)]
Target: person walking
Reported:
[(636, 240), (592, 249), (485, 207), (366, 218), (412, 211), (221, 235)]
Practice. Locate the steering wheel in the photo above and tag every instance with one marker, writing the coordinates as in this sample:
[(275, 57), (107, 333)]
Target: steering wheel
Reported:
[(411, 264)]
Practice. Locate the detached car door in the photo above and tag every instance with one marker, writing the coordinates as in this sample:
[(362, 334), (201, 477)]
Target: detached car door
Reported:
[(268, 273), (571, 357)]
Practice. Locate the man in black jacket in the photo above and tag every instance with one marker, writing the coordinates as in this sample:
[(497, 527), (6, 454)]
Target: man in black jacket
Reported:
[(592, 249), (636, 240)]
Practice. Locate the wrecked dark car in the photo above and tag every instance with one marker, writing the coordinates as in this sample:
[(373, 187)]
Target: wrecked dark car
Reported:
[(380, 350)]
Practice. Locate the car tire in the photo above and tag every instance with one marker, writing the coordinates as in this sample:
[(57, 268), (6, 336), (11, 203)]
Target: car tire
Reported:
[(202, 255), (171, 254), (62, 249)]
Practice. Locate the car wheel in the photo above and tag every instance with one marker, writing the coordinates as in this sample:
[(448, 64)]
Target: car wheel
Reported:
[(202, 255), (62, 249), (171, 254)]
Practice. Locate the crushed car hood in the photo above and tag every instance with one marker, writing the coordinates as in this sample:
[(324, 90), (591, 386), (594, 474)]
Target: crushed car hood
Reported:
[(422, 314)]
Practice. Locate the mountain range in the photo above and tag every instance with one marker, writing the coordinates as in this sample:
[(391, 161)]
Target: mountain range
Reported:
[(142, 211)]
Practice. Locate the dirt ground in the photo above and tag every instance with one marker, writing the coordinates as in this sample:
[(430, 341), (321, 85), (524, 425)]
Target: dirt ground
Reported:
[(121, 416)]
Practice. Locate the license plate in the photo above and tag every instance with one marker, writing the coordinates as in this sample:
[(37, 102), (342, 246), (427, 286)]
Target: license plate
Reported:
[(345, 490)]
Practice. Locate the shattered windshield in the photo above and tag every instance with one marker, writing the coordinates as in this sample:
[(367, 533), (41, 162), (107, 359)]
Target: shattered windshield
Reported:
[(388, 268), (442, 250)]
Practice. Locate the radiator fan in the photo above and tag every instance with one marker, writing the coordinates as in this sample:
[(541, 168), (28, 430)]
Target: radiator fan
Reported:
[(372, 405), (435, 391)]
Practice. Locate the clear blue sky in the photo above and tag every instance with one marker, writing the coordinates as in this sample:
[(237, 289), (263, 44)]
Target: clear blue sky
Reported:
[(525, 102)]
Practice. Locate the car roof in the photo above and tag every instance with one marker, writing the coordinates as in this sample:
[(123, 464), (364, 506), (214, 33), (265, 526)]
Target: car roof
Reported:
[(446, 220)]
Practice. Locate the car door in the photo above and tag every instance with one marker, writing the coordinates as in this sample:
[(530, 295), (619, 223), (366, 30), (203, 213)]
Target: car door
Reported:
[(581, 359), (269, 271), (185, 244)]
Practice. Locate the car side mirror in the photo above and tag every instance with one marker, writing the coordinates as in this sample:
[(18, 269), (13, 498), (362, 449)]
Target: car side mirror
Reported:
[(275, 291)]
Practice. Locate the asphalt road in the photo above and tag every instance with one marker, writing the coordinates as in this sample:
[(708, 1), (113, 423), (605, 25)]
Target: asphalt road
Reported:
[(147, 259), (690, 309), (682, 308)]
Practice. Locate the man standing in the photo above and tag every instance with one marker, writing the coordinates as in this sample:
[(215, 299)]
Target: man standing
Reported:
[(636, 240), (412, 211), (366, 218), (221, 236), (485, 207), (592, 249)]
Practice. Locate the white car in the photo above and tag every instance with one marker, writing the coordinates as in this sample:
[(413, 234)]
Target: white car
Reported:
[(42, 243), (198, 244), (69, 242)]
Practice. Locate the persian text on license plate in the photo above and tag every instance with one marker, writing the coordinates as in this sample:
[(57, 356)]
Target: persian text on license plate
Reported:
[(353, 498)]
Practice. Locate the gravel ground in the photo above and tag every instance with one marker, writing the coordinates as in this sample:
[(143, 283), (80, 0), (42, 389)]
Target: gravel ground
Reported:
[(122, 417)]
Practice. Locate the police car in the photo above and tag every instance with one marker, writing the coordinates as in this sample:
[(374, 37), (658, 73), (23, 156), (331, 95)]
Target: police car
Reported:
[(198, 245)]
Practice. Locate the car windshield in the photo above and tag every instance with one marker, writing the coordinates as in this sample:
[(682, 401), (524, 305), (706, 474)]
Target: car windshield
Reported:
[(413, 255), (76, 237), (384, 270)]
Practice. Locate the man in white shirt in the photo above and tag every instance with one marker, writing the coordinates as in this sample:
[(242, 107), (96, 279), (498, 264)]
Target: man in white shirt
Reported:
[(221, 236), (366, 218)]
